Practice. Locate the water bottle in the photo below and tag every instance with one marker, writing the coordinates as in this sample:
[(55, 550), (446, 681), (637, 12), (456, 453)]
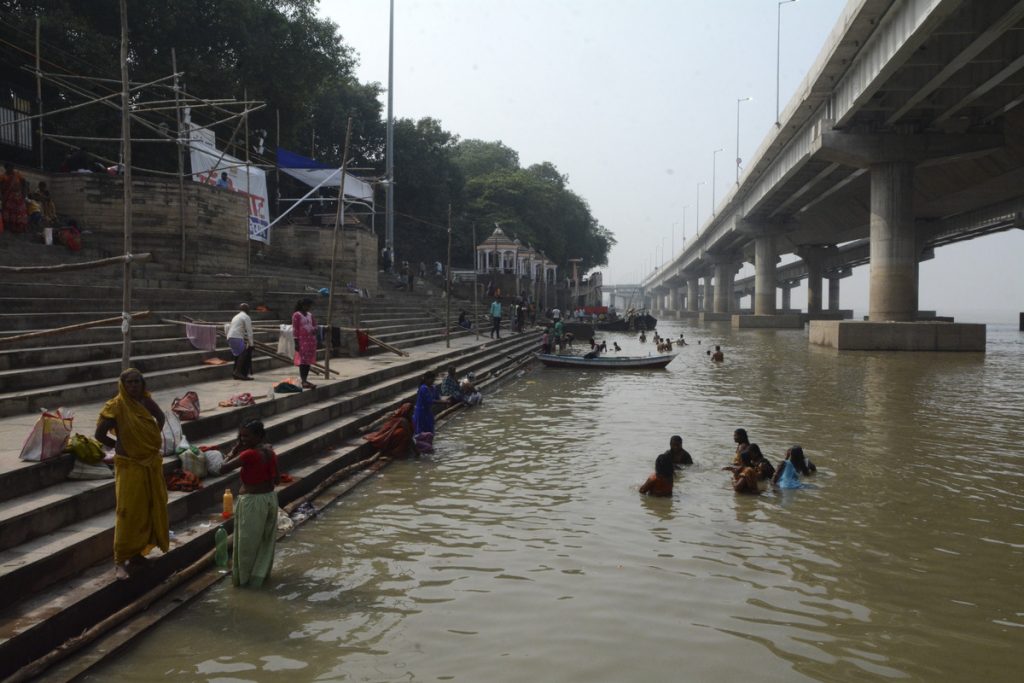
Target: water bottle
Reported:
[(229, 504), (220, 556)]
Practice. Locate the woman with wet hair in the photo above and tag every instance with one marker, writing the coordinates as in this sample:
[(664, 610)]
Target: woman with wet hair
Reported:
[(796, 464), (660, 483), (256, 507)]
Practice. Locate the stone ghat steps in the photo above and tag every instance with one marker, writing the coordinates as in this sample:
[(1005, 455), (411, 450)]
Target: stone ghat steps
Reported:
[(40, 621), (24, 322)]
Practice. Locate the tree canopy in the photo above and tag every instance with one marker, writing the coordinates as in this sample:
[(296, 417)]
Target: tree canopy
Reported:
[(282, 53)]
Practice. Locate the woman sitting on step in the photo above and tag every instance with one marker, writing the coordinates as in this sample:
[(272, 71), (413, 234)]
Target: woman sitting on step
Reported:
[(140, 523), (393, 437)]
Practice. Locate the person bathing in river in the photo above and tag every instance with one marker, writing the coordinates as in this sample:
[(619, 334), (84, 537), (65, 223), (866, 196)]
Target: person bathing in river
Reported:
[(393, 435), (423, 413), (256, 507), (615, 345), (760, 463), (787, 476), (680, 456), (717, 356), (545, 341), (450, 391), (643, 337), (744, 478), (470, 394), (742, 444), (660, 483)]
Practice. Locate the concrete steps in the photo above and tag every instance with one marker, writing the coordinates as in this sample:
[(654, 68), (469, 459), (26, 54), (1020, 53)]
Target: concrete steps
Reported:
[(306, 430)]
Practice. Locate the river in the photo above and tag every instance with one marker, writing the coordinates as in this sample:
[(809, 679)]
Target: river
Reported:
[(522, 551)]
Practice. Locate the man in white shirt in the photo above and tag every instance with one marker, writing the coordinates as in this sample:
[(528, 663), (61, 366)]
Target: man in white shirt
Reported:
[(241, 342), (555, 314)]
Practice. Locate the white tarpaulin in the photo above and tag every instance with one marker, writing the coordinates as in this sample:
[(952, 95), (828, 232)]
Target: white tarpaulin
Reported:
[(208, 163), (318, 174)]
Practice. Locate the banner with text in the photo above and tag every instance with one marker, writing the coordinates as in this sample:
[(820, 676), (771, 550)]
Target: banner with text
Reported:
[(208, 163)]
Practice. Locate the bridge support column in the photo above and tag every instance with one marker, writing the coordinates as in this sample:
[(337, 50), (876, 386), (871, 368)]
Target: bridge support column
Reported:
[(833, 294), (693, 295), (786, 297), (725, 273), (894, 252), (764, 275), (814, 257), (709, 294)]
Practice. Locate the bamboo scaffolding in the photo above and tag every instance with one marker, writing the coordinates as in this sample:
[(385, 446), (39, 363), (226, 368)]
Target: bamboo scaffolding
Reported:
[(126, 152), (84, 265), (70, 328), (338, 219)]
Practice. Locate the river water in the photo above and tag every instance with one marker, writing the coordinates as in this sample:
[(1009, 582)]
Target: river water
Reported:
[(522, 551)]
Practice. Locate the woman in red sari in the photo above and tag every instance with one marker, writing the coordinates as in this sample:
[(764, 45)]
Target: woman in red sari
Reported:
[(12, 193), (304, 331), (394, 438)]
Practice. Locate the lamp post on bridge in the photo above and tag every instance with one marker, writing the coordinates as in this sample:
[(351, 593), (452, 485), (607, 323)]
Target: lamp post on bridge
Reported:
[(778, 57), (697, 211), (684, 224), (739, 101), (714, 159)]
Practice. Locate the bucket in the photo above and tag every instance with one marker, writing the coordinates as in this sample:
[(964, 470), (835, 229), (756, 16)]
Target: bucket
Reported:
[(48, 236)]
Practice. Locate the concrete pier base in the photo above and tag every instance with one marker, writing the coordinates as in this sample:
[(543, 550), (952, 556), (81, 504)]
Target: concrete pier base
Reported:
[(845, 314), (852, 335), (688, 315), (709, 317), (777, 322)]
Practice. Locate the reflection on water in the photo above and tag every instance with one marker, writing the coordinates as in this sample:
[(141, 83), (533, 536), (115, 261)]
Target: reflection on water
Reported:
[(521, 550)]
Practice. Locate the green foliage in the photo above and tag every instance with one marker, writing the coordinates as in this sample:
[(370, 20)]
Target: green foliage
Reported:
[(477, 157)]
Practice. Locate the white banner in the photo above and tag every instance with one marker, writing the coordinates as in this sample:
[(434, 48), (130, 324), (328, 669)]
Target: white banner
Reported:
[(207, 165)]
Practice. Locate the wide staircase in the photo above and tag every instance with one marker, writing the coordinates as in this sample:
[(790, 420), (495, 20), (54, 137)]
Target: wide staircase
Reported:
[(56, 534)]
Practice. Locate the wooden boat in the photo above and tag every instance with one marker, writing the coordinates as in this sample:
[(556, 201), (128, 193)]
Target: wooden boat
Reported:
[(607, 362)]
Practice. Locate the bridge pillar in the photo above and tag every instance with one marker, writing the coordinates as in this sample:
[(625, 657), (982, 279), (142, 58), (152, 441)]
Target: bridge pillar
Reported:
[(833, 293), (725, 273), (814, 257), (786, 296), (894, 251), (765, 259), (709, 293), (693, 295)]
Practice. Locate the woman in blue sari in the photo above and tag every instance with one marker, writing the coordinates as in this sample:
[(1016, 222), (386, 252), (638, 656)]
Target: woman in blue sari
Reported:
[(788, 474), (423, 413)]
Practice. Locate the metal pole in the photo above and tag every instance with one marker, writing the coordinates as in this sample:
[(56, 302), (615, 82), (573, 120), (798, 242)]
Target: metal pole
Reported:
[(448, 286), (714, 161), (389, 152), (181, 159), (476, 269), (248, 191), (338, 218), (739, 101), (126, 141), (697, 211), (277, 167)]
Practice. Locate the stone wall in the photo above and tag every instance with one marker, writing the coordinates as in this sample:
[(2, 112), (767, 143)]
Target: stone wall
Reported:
[(306, 247), (215, 220)]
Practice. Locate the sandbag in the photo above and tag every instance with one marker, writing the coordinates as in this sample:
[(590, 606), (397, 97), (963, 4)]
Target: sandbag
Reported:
[(49, 436)]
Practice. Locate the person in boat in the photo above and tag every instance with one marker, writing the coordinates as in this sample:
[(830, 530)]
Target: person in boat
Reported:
[(393, 435), (256, 507), (559, 334), (796, 464), (140, 494), (761, 465), (680, 456), (744, 478), (660, 483), (717, 356), (616, 347)]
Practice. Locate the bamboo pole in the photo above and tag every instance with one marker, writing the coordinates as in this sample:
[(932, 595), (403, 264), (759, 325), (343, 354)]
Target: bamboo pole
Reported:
[(448, 287), (248, 191), (476, 308), (181, 160), (70, 328), (390, 348), (39, 99), (339, 217), (277, 165), (82, 265), (126, 133)]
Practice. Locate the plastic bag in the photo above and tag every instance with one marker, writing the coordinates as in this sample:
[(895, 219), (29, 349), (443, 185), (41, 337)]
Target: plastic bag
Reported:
[(172, 434), (86, 449), (49, 436), (193, 460), (83, 470), (186, 407), (214, 459), (286, 341)]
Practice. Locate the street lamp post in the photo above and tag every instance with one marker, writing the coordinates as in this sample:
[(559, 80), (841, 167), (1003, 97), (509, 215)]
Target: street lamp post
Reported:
[(674, 239), (697, 210), (714, 168), (778, 56), (739, 101), (684, 223), (663, 252)]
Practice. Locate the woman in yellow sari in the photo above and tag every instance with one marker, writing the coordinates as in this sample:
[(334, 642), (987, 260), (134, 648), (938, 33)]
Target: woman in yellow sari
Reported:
[(141, 518)]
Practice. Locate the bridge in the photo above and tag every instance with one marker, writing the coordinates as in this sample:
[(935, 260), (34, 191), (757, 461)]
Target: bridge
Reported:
[(906, 135)]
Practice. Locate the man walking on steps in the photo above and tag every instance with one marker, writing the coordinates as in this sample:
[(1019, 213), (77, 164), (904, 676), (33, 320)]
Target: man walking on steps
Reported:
[(496, 318), (240, 341)]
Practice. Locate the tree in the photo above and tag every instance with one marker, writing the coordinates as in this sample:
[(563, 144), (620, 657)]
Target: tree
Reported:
[(477, 157)]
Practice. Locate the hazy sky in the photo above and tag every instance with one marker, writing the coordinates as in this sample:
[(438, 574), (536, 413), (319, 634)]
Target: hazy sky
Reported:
[(629, 99)]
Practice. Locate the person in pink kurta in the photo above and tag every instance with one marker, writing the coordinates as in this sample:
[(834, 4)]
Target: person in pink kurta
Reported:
[(304, 331)]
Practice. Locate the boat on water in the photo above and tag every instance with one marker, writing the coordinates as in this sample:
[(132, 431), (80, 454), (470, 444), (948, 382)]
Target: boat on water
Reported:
[(607, 362)]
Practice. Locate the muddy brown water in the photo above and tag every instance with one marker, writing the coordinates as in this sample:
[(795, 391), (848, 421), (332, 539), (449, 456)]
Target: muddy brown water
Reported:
[(522, 551)]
